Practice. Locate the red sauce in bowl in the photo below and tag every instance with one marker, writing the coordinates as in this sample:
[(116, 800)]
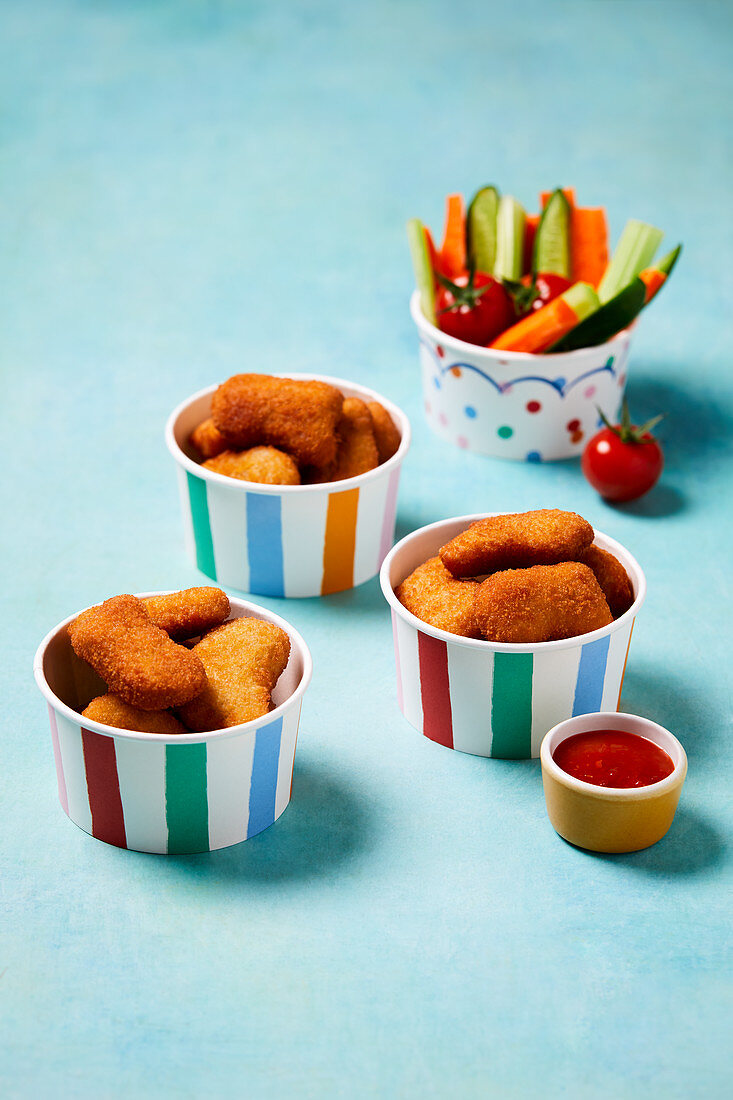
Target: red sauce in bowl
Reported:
[(613, 758)]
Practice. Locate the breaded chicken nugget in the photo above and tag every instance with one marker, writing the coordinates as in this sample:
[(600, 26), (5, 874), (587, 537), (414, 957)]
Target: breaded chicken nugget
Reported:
[(612, 577), (208, 440), (189, 613), (265, 465), (243, 660), (357, 450), (540, 604), (135, 657), (432, 594), (544, 537), (385, 431), (113, 711), (298, 416)]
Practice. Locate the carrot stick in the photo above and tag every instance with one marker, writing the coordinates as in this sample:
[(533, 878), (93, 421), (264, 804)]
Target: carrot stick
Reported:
[(568, 192), (588, 244), (453, 249), (653, 279), (432, 251), (543, 327), (530, 229)]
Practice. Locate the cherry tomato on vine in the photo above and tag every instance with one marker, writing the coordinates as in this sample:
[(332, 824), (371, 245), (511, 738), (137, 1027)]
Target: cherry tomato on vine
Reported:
[(475, 307), (622, 462), (547, 287)]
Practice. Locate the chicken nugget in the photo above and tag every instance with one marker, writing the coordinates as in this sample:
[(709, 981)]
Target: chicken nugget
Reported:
[(544, 537), (135, 658), (385, 431), (540, 604), (298, 416), (434, 595), (265, 465), (207, 439), (612, 577), (243, 660), (113, 711), (188, 613), (357, 450)]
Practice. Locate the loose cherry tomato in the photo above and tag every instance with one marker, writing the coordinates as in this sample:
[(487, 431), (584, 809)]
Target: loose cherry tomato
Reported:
[(623, 462), (546, 287), (474, 308)]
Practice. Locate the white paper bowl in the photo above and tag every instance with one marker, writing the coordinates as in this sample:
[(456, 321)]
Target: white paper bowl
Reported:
[(495, 698), (510, 404), (184, 793), (286, 540)]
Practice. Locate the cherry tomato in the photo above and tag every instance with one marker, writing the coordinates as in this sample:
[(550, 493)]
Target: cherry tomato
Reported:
[(622, 462), (474, 308), (547, 286)]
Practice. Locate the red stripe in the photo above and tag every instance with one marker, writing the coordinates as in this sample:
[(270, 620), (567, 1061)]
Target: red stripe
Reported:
[(435, 689), (103, 787)]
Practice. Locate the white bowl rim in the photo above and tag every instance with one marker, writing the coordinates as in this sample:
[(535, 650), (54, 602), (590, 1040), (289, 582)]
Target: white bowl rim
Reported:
[(454, 343), (179, 738), (613, 719), (508, 647), (236, 485)]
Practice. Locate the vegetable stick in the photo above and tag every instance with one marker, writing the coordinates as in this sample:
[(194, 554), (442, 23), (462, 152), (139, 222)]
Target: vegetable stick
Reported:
[(588, 244), (432, 251), (453, 249), (653, 279), (530, 229), (424, 275), (543, 327), (568, 192)]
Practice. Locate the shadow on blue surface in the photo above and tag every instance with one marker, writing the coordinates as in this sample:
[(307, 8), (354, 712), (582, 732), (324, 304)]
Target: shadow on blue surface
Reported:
[(691, 847), (659, 694), (698, 424), (662, 500)]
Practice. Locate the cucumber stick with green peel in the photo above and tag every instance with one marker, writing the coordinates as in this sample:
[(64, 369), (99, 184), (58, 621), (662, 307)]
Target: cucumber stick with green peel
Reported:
[(551, 254), (633, 253), (510, 222), (422, 264), (612, 317), (481, 229), (667, 262)]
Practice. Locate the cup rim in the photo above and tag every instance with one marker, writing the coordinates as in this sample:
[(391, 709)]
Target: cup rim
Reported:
[(276, 490), (179, 738), (622, 720), (510, 647), (457, 345)]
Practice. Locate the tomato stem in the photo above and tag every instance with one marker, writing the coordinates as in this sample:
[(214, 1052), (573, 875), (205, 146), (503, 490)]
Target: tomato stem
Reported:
[(626, 431)]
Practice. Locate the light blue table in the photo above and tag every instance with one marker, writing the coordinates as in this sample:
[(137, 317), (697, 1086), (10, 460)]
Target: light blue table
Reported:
[(188, 189)]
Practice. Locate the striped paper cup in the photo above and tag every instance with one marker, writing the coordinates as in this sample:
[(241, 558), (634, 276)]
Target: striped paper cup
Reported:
[(495, 698), (194, 792), (286, 540)]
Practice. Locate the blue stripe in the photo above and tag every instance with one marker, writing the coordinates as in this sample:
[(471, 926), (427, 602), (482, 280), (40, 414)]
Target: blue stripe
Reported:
[(591, 674), (264, 778), (265, 545)]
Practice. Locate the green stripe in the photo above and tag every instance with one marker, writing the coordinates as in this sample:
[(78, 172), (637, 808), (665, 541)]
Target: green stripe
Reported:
[(186, 804), (201, 526), (511, 706)]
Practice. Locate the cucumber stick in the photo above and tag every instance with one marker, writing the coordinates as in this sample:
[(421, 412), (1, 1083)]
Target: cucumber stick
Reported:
[(423, 267), (510, 222), (552, 242), (633, 253), (667, 262), (582, 299), (612, 317), (481, 229)]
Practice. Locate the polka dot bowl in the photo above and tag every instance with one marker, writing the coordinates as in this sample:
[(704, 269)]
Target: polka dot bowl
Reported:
[(530, 408)]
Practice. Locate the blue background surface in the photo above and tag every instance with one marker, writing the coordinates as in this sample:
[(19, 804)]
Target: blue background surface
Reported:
[(189, 189)]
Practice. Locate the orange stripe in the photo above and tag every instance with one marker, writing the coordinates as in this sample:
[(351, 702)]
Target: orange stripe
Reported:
[(628, 647), (340, 546)]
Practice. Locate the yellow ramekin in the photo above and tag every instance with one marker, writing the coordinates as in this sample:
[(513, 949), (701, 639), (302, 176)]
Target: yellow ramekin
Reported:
[(611, 819)]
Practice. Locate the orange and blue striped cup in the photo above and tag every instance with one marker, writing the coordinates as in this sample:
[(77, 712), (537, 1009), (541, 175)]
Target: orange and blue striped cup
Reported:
[(185, 793), (494, 698), (286, 540)]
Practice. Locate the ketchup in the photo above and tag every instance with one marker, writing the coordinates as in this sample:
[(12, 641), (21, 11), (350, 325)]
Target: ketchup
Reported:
[(613, 758)]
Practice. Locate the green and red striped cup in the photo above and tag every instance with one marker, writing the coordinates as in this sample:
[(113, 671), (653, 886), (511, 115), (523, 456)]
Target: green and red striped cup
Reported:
[(193, 792), (286, 540), (493, 698)]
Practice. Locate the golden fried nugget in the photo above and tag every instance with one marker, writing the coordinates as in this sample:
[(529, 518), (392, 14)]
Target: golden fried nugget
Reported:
[(113, 711), (135, 658), (243, 660), (189, 613), (434, 595), (385, 431), (265, 465), (540, 604), (612, 577), (357, 450), (298, 416), (513, 541), (208, 440)]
